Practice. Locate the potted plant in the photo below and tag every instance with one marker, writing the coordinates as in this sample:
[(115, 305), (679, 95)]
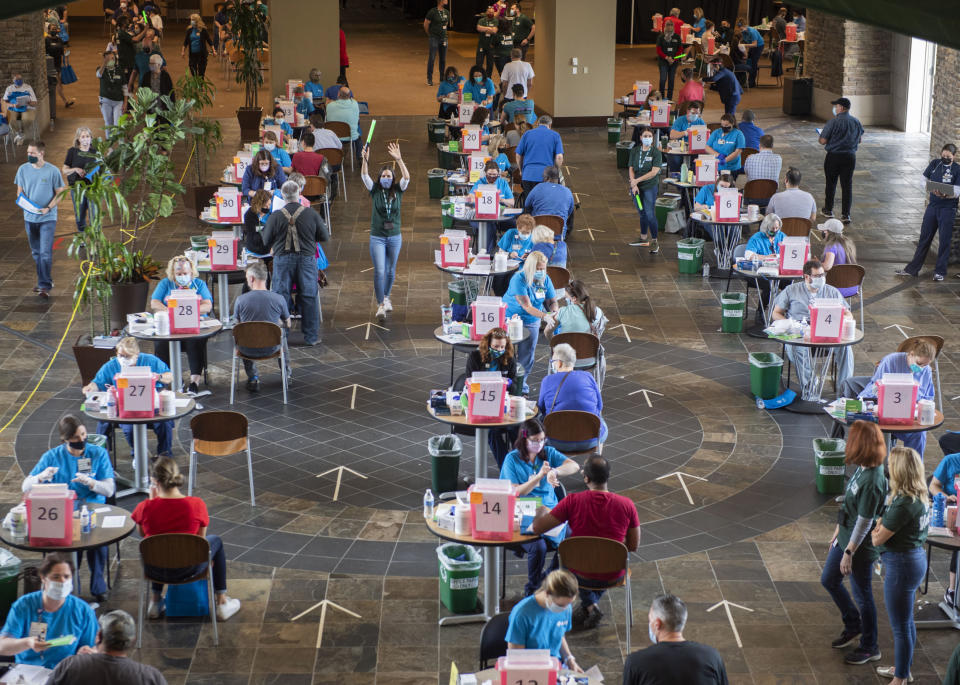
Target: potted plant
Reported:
[(203, 143), (249, 24)]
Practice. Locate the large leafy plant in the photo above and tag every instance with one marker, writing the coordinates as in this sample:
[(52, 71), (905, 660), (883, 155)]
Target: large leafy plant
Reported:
[(248, 22), (209, 134)]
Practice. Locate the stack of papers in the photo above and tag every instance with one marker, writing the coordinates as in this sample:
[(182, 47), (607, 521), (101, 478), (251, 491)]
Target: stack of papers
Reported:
[(106, 342), (27, 675)]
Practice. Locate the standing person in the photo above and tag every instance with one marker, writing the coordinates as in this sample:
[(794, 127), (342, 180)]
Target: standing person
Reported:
[(516, 73), (840, 137), (751, 39), (42, 185), (111, 89), (852, 552), (141, 64), (900, 535), (198, 40), (344, 59), (674, 19), (540, 620), (487, 28), (751, 132), (503, 45), (260, 304), (385, 237), (699, 24), (644, 166), (125, 40), (939, 216), (727, 84), (668, 56), (292, 234), (79, 157), (524, 28), (435, 26), (793, 203), (531, 297), (539, 148), (727, 144)]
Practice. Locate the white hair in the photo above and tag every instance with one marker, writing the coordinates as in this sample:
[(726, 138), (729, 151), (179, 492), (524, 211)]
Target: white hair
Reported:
[(565, 354), (530, 265), (769, 220), (290, 191)]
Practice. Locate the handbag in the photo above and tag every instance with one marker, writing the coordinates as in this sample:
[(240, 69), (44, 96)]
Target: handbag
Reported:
[(67, 74)]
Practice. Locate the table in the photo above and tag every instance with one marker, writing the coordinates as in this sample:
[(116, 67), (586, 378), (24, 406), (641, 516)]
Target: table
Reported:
[(176, 366), (482, 224), (758, 331), (231, 182), (465, 345), (952, 544), (688, 192), (235, 226), (492, 551), (687, 156), (726, 236), (493, 675), (223, 289), (645, 121), (141, 462), (814, 387), (484, 280), (891, 429)]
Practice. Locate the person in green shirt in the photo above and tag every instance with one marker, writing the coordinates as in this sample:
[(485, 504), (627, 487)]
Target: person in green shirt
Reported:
[(851, 550), (900, 535), (524, 28), (502, 44), (487, 28), (435, 26), (644, 166), (952, 676)]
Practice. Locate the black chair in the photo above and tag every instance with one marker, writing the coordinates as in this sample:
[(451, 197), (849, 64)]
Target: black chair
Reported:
[(493, 640)]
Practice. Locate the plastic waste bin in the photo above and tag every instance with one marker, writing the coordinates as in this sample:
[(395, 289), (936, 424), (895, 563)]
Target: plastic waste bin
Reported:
[(444, 461), (614, 127), (435, 180), (690, 255), (437, 130), (733, 306), (623, 153), (765, 370), (829, 456), (665, 204), (459, 576), (9, 577), (457, 292), (97, 440)]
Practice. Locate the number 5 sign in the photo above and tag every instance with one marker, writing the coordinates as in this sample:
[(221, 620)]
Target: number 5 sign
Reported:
[(794, 252)]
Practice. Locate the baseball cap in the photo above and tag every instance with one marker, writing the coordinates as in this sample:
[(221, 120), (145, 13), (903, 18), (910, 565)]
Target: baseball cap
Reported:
[(843, 102), (832, 225)]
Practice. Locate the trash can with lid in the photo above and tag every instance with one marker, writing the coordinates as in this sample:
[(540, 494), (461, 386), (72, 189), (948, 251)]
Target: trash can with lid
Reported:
[(459, 576), (445, 453), (614, 127), (9, 579), (690, 255), (765, 370), (435, 180), (829, 457), (733, 306), (437, 130), (623, 153)]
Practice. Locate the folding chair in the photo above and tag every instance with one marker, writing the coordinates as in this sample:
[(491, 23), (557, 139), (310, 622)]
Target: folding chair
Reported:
[(219, 434), (343, 132), (334, 158)]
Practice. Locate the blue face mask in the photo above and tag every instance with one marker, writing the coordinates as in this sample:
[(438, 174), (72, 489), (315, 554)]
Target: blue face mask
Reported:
[(539, 275), (916, 368), (478, 79), (386, 182), (183, 279), (18, 82), (495, 354)]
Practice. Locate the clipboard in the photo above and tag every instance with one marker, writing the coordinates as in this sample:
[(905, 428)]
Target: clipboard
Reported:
[(945, 188), (23, 202)]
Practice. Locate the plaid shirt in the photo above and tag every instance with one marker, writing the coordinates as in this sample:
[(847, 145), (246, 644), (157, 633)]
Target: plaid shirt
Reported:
[(763, 164)]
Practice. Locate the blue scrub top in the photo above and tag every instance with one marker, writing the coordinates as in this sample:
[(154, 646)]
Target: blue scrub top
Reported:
[(538, 293), (75, 618), (505, 191), (897, 363), (518, 471), (946, 470), (539, 147), (282, 156), (162, 291), (512, 241), (761, 244), (106, 373), (315, 89), (480, 91), (705, 195), (725, 143), (445, 87), (502, 161), (682, 123), (750, 35), (699, 27), (66, 463), (535, 627)]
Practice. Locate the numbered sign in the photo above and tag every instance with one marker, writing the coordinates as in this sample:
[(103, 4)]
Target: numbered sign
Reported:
[(726, 202), (292, 85), (697, 137), (706, 170), (477, 166), (537, 667), (184, 309), (135, 390), (288, 108), (657, 23), (487, 202), (240, 164), (794, 252), (709, 45), (485, 399), (465, 113), (471, 137), (685, 33), (50, 515), (641, 91), (454, 248), (488, 312), (826, 321), (896, 398), (223, 250), (228, 205), (491, 509), (660, 113)]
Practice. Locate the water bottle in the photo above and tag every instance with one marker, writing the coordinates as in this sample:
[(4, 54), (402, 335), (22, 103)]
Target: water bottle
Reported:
[(939, 509), (760, 404), (428, 504), (111, 403), (85, 520), (706, 270), (683, 172)]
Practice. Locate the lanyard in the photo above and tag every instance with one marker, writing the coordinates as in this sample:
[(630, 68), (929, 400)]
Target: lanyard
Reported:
[(643, 158), (387, 203)]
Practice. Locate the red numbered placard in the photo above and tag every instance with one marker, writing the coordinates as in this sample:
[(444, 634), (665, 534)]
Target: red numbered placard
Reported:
[(791, 32), (240, 164), (288, 108), (657, 23), (487, 202), (50, 515), (698, 136), (708, 46), (492, 513), (826, 321), (454, 249), (727, 205), (472, 138), (537, 667), (184, 311), (223, 251), (685, 32), (466, 112), (660, 113), (485, 400), (135, 394), (896, 398), (488, 313), (641, 91), (794, 253), (477, 166), (706, 170), (228, 205)]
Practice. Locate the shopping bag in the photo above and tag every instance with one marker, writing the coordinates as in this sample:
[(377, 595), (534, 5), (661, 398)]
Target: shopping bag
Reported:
[(67, 74)]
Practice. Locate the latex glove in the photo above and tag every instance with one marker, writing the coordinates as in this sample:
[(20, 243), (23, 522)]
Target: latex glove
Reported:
[(84, 480), (47, 474)]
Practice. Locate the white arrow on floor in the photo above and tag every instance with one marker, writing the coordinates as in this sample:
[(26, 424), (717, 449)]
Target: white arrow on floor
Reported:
[(604, 270), (733, 626), (626, 333), (590, 231), (899, 328), (683, 483), (323, 616), (577, 195), (646, 395), (353, 395), (336, 489), (368, 325)]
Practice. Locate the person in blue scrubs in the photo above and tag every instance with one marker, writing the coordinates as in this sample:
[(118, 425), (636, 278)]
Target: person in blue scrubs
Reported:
[(535, 469), (450, 86), (766, 241), (492, 177), (751, 39), (517, 242), (280, 119), (480, 87), (677, 131), (728, 86), (704, 199), (313, 86), (541, 620), (699, 24), (87, 471), (551, 198), (531, 297), (944, 482), (727, 144), (278, 153)]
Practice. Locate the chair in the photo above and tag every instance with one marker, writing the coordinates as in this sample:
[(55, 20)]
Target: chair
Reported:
[(493, 640), (342, 129), (253, 334), (553, 222), (334, 157), (713, 126), (219, 434), (175, 551), (759, 191), (560, 277), (600, 556), (848, 276), (586, 345), (747, 151), (316, 187), (570, 425), (937, 343), (796, 227)]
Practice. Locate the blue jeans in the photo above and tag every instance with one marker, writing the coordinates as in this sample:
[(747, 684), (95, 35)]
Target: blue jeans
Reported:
[(40, 237), (904, 572), (526, 351), (162, 429), (753, 58), (730, 104), (863, 620), (536, 551), (97, 561), (438, 46), (589, 595), (175, 574), (384, 251), (668, 71), (290, 268), (81, 208), (648, 215), (936, 220)]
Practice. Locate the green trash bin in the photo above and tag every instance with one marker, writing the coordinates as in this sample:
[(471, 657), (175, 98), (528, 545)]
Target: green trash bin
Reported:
[(623, 153), (459, 576), (446, 212), (830, 459), (457, 291), (614, 127), (690, 255), (445, 453), (733, 306), (665, 205), (436, 179), (9, 582), (765, 370), (437, 130)]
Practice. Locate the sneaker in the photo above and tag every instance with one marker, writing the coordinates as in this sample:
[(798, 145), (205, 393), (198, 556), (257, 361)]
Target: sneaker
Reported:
[(296, 315), (846, 639), (891, 672), (193, 388), (45, 294), (155, 610), (948, 598), (938, 277), (429, 81), (387, 305), (253, 384), (232, 606), (381, 313), (655, 246), (593, 619), (845, 218), (642, 241), (861, 656), (904, 272), (827, 213)]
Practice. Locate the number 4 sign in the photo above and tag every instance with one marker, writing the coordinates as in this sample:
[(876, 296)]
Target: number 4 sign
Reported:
[(826, 320)]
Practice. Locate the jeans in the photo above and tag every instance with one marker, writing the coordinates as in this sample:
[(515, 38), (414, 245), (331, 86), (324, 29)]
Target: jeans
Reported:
[(863, 620), (501, 62), (668, 73), (81, 208), (175, 574), (438, 47), (500, 441), (40, 237), (648, 215), (299, 268), (194, 350), (937, 221), (526, 350), (162, 429), (839, 165), (589, 589), (384, 251), (250, 367), (97, 561), (111, 111), (536, 551), (904, 572)]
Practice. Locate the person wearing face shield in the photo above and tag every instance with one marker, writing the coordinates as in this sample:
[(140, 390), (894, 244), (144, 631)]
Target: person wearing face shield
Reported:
[(535, 468), (793, 303), (52, 612), (541, 620), (86, 470)]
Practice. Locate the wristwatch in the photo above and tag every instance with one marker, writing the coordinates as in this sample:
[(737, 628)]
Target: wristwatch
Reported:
[(847, 551)]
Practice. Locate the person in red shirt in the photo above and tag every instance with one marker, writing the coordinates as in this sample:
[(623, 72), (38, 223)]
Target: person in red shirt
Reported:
[(170, 511), (595, 512), (692, 89), (674, 17), (307, 162), (344, 60)]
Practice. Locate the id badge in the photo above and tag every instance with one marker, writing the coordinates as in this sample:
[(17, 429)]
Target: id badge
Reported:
[(38, 630), (388, 225), (540, 293), (268, 185), (84, 465)]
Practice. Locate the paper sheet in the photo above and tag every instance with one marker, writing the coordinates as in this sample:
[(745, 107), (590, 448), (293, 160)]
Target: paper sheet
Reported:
[(24, 203), (113, 521), (100, 510), (32, 675), (62, 641), (209, 323), (181, 402)]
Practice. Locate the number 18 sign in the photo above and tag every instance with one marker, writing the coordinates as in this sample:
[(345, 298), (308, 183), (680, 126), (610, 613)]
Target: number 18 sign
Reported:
[(487, 202)]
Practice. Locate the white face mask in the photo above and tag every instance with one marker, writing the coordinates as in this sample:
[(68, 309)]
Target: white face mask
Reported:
[(646, 140), (265, 167), (125, 361), (651, 633), (554, 607), (817, 282), (271, 147), (183, 279), (834, 110), (58, 591)]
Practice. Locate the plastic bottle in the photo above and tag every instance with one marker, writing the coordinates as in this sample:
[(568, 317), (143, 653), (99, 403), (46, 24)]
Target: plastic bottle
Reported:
[(428, 504), (760, 404), (111, 402), (683, 172), (85, 520), (706, 270), (938, 510)]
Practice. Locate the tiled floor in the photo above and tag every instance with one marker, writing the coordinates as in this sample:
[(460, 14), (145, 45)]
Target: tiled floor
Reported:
[(756, 534)]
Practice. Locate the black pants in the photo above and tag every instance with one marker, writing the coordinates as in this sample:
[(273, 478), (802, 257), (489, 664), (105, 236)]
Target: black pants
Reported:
[(198, 63), (485, 60), (668, 72), (194, 350), (839, 165), (528, 186)]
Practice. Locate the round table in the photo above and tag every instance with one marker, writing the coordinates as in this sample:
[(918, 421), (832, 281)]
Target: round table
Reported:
[(726, 236), (223, 288), (234, 183), (685, 156), (484, 280), (687, 192), (466, 345), (141, 463), (482, 224), (758, 331), (814, 387), (950, 543), (176, 367), (891, 429)]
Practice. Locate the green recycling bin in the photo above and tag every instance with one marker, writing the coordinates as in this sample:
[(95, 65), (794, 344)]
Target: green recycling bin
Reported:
[(614, 127), (445, 453), (665, 205), (459, 576), (765, 370), (690, 255), (437, 130), (447, 159), (623, 153), (457, 291), (733, 306), (436, 180), (9, 580), (830, 459), (446, 212)]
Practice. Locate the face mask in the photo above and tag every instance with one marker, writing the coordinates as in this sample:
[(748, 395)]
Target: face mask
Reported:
[(651, 633), (111, 64), (834, 110), (184, 279), (270, 147), (58, 591), (916, 368), (77, 445), (555, 365), (125, 361), (386, 182), (33, 159), (539, 275), (495, 354), (554, 607), (535, 446), (727, 129), (692, 116), (264, 167), (647, 140), (452, 79), (817, 282), (946, 160), (478, 79), (492, 179)]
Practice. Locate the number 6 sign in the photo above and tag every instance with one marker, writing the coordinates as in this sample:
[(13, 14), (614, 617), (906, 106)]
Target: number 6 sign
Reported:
[(727, 204)]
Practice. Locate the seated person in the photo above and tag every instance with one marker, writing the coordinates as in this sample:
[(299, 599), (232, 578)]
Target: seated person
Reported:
[(765, 164), (791, 202), (545, 241), (496, 148), (87, 471), (303, 103), (279, 154), (325, 139), (944, 481), (52, 612), (263, 173), (20, 102), (679, 130), (129, 354), (346, 110), (514, 136), (916, 360), (751, 132), (480, 88), (535, 469), (540, 620), (481, 118), (333, 91), (496, 353), (307, 161), (594, 512), (766, 241), (794, 303), (550, 197), (704, 200), (580, 315), (280, 119), (492, 177), (727, 144), (569, 389), (254, 221), (838, 249), (313, 86), (170, 511), (520, 106), (260, 304), (448, 93), (182, 274), (517, 242)]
